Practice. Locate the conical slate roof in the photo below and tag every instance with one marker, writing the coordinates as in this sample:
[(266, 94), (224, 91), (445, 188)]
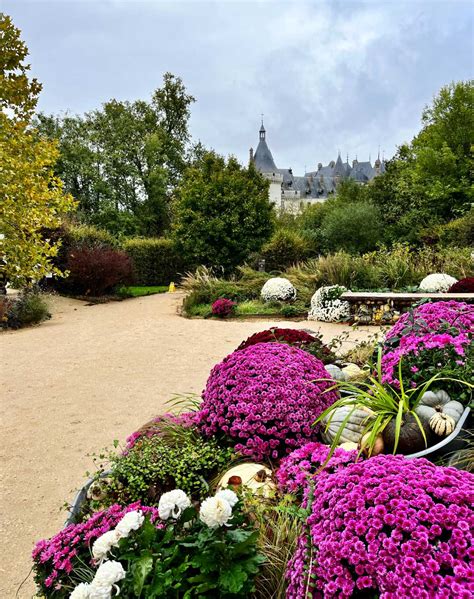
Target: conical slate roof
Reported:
[(339, 168), (263, 158)]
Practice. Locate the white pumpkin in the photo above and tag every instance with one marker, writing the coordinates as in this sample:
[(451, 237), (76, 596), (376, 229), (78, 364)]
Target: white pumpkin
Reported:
[(353, 428), (255, 477), (352, 372), (349, 446), (335, 372)]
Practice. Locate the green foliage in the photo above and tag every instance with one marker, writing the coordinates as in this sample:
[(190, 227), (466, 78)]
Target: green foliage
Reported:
[(32, 198), (87, 236), (458, 232), (355, 227), (155, 465), (26, 309), (286, 247), (187, 559), (222, 212), (156, 261), (122, 162)]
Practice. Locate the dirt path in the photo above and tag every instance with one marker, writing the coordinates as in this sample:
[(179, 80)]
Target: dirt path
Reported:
[(70, 386)]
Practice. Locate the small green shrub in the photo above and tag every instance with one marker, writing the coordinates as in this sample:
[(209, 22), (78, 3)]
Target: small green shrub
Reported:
[(155, 261), (88, 236), (459, 232), (153, 466), (285, 248), (26, 309)]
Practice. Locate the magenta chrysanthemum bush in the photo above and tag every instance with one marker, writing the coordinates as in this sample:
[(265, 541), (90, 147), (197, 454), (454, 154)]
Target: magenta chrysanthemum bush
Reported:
[(296, 470), (57, 558), (152, 428), (433, 337), (223, 307), (265, 399), (388, 526)]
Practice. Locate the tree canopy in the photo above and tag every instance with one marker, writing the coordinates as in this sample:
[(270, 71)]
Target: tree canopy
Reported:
[(222, 212), (32, 197)]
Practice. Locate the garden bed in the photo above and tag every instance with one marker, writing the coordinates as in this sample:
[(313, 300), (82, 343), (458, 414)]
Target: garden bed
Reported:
[(238, 495)]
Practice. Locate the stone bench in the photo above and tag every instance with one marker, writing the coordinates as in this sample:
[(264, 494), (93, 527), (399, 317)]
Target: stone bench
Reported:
[(385, 308)]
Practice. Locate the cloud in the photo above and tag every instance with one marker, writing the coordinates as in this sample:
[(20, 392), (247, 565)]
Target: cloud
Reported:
[(328, 75)]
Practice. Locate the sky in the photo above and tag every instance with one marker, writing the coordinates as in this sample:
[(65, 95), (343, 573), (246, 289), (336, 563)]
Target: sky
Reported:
[(328, 75)]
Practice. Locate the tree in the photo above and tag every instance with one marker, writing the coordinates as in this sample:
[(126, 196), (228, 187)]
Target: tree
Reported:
[(222, 212), (355, 227), (123, 161), (32, 198)]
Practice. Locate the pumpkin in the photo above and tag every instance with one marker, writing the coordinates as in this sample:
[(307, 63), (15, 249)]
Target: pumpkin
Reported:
[(353, 428), (442, 424), (433, 402), (352, 372), (411, 438), (335, 372), (349, 446), (255, 477)]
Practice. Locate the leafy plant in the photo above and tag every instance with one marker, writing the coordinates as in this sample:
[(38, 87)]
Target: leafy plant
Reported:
[(385, 402), (28, 308)]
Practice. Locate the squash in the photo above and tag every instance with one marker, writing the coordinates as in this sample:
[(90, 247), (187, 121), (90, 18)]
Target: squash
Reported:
[(255, 477), (442, 424), (352, 372), (349, 446), (411, 438), (353, 428), (378, 447), (434, 402), (335, 372)]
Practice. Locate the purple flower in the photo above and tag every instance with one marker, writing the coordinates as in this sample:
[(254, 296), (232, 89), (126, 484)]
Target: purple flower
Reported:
[(422, 549), (223, 307), (268, 396)]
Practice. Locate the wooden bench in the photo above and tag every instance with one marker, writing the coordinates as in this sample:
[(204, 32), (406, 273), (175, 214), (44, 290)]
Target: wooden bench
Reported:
[(385, 308)]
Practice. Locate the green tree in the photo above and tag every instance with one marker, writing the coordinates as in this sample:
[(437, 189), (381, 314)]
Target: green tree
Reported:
[(354, 227), (222, 212), (122, 162), (32, 198)]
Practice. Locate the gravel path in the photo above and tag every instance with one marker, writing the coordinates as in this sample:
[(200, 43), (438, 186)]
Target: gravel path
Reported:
[(90, 375)]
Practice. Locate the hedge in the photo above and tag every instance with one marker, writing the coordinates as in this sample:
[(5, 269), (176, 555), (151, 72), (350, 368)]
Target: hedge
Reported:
[(155, 261)]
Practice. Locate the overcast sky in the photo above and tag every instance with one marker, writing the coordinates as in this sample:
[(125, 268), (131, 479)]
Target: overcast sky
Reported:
[(327, 75)]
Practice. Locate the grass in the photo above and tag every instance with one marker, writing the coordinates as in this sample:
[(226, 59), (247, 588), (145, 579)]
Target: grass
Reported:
[(139, 291), (246, 308)]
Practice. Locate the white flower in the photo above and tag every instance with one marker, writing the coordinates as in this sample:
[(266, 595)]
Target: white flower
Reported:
[(171, 504), (82, 591), (108, 573), (228, 495), (100, 592), (278, 289), (326, 305), (215, 511), (131, 521), (437, 283), (104, 544)]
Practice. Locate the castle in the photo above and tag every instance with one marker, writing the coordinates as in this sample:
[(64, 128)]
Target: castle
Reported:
[(292, 193)]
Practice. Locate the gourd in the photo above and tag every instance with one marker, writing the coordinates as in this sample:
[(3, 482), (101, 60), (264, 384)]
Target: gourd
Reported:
[(410, 439), (353, 428), (442, 424), (438, 402), (352, 372), (335, 372), (257, 478), (349, 446), (377, 448)]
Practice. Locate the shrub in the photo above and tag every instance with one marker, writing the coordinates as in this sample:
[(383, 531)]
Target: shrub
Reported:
[(431, 338), (387, 527), (465, 285), (223, 307), (96, 271), (26, 309), (326, 305), (459, 232), (437, 283), (264, 399), (355, 227), (88, 236), (285, 248), (295, 337), (152, 466), (58, 561), (278, 289), (155, 261)]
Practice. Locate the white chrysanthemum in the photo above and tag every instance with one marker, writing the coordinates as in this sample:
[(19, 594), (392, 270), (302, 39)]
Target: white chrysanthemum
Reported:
[(278, 289), (82, 591), (215, 511), (326, 305), (228, 495), (108, 573), (437, 283), (172, 504), (131, 521), (104, 544)]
